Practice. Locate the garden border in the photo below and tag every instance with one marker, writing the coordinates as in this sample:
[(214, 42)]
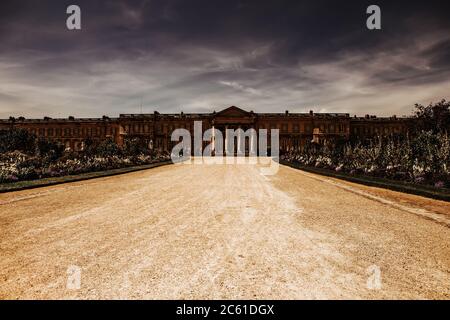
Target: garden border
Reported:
[(369, 181), (375, 182), (45, 182)]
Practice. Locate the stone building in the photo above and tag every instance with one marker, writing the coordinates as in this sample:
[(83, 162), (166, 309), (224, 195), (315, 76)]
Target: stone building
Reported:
[(296, 129)]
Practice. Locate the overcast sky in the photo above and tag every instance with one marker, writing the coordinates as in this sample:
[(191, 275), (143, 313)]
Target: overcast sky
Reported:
[(200, 56)]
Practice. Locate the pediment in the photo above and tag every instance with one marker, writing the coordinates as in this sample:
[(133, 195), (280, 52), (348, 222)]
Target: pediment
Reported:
[(233, 112)]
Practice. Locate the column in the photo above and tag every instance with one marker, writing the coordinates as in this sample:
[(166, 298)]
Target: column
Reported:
[(226, 141), (238, 149), (213, 151)]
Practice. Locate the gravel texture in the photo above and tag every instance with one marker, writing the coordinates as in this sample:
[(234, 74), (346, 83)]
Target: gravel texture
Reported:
[(222, 232)]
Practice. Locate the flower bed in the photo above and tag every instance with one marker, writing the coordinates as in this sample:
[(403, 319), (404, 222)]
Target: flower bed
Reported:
[(424, 159), (16, 166)]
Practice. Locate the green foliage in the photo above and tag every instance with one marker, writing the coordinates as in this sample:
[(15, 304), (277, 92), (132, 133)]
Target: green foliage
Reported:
[(90, 147), (136, 146), (108, 148), (49, 149), (17, 140), (434, 117), (424, 158)]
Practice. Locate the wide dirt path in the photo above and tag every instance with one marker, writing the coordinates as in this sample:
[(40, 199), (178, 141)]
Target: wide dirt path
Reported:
[(224, 232)]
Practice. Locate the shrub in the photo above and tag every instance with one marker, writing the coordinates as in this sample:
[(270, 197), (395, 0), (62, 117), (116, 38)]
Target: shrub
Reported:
[(423, 159), (17, 140), (108, 148)]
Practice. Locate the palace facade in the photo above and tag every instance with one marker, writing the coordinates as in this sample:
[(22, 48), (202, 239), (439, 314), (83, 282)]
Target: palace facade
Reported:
[(296, 129)]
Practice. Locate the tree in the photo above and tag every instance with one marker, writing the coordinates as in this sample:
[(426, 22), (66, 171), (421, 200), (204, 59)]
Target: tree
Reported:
[(17, 140), (136, 146), (89, 146), (108, 148), (434, 117), (49, 148)]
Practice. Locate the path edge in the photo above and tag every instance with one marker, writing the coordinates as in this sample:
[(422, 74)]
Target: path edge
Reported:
[(374, 182), (33, 184)]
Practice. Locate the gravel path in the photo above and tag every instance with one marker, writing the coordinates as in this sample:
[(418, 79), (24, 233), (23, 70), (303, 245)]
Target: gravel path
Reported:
[(223, 232)]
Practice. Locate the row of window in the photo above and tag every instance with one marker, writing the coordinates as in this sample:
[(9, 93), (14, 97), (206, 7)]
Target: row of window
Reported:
[(73, 132), (137, 128), (296, 128), (168, 128), (375, 130), (158, 127)]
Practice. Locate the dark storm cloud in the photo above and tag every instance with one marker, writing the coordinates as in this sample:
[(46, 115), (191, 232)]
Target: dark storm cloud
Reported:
[(204, 55)]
